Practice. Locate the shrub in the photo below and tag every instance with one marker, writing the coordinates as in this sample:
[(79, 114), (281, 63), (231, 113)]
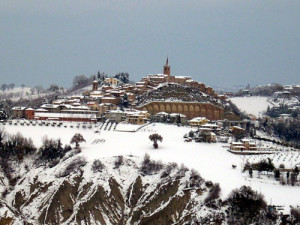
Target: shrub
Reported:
[(51, 150), (73, 166), (246, 204), (149, 166), (295, 214), (208, 184), (97, 166), (3, 135), (263, 165), (214, 193), (5, 192), (67, 148), (195, 179), (119, 161), (182, 170), (168, 170), (6, 168), (277, 174), (281, 166), (16, 145)]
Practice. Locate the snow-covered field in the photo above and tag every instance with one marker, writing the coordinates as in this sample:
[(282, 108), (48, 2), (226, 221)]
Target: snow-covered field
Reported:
[(18, 93), (252, 105), (211, 160)]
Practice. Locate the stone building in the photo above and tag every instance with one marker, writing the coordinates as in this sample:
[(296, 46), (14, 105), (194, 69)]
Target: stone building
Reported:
[(189, 109)]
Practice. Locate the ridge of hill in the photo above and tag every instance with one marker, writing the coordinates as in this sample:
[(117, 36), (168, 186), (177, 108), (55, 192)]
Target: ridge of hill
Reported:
[(176, 92)]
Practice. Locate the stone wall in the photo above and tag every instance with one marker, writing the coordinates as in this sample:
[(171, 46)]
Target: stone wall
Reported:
[(189, 109)]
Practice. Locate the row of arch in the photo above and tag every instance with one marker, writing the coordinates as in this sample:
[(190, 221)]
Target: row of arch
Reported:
[(191, 110)]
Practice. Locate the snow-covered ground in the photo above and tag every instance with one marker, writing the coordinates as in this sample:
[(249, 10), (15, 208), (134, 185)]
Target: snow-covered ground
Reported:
[(211, 160), (18, 93), (16, 90), (254, 105)]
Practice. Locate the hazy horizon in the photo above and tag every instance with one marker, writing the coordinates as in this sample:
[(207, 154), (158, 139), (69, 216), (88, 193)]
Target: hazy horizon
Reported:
[(218, 42)]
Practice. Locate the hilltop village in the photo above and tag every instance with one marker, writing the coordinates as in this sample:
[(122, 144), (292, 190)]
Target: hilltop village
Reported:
[(118, 120), (180, 98)]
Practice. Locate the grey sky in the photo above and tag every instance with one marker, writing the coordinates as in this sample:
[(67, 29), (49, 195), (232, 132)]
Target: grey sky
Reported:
[(219, 42)]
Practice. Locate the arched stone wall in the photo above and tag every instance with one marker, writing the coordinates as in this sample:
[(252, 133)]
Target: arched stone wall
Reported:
[(168, 108), (203, 110), (155, 108), (174, 108), (190, 109), (162, 107), (209, 112), (180, 108), (185, 108)]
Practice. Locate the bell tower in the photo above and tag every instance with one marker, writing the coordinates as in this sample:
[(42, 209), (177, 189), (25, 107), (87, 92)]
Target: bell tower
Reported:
[(167, 68), (95, 86)]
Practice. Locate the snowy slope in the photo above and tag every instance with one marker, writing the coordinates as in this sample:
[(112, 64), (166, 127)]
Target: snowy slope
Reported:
[(211, 160), (252, 105), (124, 195), (16, 90), (18, 93)]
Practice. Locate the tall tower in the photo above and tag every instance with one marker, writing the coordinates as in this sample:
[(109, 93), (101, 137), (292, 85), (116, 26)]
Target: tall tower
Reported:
[(95, 86), (167, 68)]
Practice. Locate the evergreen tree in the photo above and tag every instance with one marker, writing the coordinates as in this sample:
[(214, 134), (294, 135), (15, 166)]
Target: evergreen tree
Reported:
[(124, 101), (250, 172)]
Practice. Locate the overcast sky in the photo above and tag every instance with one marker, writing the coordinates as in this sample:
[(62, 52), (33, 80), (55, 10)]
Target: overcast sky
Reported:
[(218, 42)]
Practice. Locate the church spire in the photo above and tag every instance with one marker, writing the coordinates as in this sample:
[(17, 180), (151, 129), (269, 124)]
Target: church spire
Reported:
[(167, 68)]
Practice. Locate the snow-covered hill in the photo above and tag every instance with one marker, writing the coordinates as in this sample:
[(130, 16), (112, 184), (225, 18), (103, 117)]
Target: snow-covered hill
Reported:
[(19, 93), (107, 195), (254, 105), (212, 161)]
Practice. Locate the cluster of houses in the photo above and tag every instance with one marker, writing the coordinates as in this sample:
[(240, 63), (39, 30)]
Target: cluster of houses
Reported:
[(114, 92), (207, 131), (104, 101), (80, 113)]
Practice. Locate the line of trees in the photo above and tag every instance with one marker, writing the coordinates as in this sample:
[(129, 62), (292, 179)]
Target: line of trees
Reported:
[(268, 166), (16, 146), (266, 90), (7, 86), (81, 81), (275, 112)]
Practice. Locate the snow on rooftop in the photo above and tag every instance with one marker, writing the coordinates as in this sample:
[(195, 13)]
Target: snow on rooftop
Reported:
[(41, 110), (18, 108), (162, 114), (198, 119), (65, 115), (177, 114)]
